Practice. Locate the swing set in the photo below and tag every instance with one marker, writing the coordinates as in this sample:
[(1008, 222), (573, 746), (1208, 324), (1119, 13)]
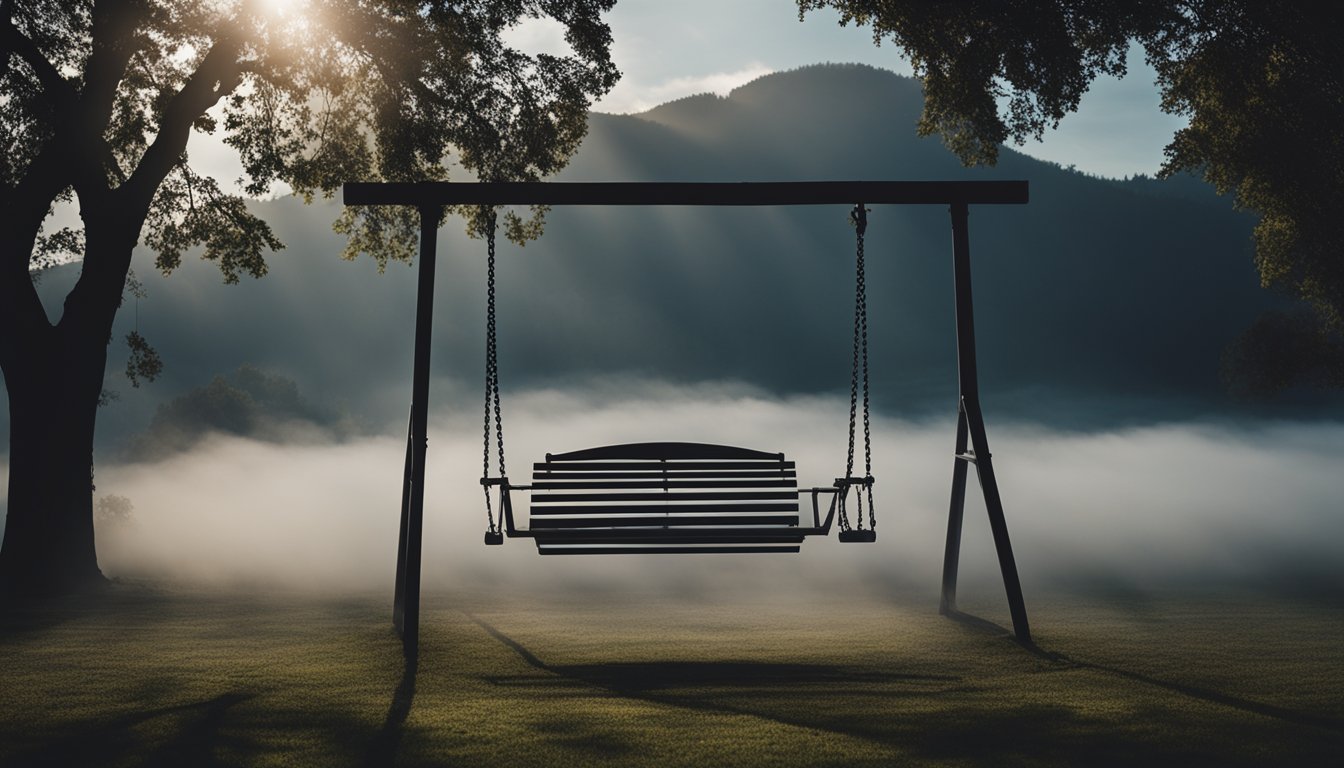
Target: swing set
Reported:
[(690, 498), (676, 498)]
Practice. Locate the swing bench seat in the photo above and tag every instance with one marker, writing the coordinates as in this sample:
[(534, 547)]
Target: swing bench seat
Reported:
[(664, 498)]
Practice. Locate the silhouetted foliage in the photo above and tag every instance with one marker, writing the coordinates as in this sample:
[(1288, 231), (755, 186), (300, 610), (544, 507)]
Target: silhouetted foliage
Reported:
[(247, 403), (1280, 351), (1260, 82), (143, 362), (97, 103)]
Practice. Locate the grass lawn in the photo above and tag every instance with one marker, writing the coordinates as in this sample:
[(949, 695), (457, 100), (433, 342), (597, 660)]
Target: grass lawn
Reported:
[(153, 675)]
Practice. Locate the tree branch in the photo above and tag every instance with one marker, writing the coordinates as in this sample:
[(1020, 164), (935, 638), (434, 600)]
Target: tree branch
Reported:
[(12, 41), (27, 204), (94, 297), (114, 43), (21, 312), (218, 75)]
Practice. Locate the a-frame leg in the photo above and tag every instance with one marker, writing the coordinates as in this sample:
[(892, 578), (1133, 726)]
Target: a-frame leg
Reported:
[(413, 496), (971, 428)]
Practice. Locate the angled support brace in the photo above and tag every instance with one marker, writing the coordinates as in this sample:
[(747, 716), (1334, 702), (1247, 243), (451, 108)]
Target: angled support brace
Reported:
[(971, 429), (399, 594)]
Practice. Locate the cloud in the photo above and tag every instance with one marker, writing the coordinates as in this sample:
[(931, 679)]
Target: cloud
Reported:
[(1180, 504)]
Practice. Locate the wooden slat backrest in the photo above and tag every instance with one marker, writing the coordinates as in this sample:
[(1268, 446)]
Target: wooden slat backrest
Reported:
[(665, 497)]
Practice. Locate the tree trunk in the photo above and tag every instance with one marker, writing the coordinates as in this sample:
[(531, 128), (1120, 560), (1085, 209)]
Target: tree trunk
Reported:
[(53, 396), (54, 375)]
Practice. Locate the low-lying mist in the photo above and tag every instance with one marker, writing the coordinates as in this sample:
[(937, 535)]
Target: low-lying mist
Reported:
[(1180, 504)]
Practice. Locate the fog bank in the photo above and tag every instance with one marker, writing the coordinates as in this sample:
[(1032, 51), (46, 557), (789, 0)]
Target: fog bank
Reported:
[(1178, 504)]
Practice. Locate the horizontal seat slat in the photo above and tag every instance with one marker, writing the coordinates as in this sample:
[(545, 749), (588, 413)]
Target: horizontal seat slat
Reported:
[(559, 498), (689, 466), (667, 550), (547, 485), (707, 475), (729, 536), (663, 520), (657, 509)]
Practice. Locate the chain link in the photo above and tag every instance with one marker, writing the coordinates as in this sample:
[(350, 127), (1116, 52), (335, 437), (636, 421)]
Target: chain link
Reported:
[(859, 366), (491, 374), (862, 300)]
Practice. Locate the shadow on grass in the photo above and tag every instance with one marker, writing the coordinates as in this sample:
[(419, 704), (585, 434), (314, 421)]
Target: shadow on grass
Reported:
[(990, 628), (758, 689), (644, 677), (1211, 696), (196, 742), (209, 733), (943, 717), (637, 677), (20, 614), (383, 749)]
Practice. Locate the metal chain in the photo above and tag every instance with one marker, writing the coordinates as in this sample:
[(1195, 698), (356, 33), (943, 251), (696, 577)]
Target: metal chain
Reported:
[(872, 519), (491, 373), (494, 353), (859, 217), (861, 291)]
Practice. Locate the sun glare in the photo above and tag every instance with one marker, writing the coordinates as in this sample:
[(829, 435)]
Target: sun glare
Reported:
[(291, 16), (282, 7)]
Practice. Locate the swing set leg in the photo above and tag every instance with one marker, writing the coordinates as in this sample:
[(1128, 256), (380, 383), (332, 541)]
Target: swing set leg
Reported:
[(971, 429), (406, 602)]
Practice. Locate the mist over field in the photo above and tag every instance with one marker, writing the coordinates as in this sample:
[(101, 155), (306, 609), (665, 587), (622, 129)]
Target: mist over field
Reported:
[(1177, 505)]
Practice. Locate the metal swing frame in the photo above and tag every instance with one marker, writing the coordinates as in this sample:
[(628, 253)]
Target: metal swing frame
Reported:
[(971, 446)]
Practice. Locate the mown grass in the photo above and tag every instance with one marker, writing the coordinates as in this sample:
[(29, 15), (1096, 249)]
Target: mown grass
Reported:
[(145, 675)]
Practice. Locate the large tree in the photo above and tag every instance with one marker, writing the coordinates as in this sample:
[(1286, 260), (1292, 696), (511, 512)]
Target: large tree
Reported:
[(98, 101), (1261, 81)]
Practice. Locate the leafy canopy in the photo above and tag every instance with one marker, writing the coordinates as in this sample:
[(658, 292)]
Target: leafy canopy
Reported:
[(97, 100), (1261, 81)]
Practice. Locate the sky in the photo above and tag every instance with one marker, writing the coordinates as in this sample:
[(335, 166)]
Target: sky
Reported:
[(667, 51)]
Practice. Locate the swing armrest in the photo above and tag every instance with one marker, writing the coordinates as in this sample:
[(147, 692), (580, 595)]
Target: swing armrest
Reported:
[(503, 482), (824, 529), (506, 503), (506, 508)]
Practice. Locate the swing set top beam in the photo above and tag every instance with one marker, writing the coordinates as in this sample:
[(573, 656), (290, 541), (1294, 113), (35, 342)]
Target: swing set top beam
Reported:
[(443, 193)]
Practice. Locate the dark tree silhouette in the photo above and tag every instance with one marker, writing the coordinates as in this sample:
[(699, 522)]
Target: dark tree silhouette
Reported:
[(97, 102), (1262, 82)]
